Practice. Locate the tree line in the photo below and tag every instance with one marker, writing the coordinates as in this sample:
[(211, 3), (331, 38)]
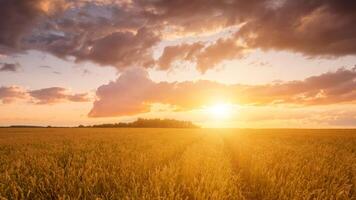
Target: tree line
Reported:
[(147, 123)]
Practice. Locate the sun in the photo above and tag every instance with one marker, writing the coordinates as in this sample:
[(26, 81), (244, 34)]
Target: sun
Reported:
[(220, 110)]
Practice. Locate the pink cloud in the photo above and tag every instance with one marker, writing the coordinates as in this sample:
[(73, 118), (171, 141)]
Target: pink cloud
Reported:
[(42, 96), (12, 93), (55, 95)]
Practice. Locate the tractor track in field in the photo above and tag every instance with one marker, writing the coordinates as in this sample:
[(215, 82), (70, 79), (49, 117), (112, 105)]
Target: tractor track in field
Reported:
[(247, 192), (178, 154)]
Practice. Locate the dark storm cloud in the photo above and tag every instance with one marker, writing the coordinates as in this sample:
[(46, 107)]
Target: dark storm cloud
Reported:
[(9, 67), (123, 33)]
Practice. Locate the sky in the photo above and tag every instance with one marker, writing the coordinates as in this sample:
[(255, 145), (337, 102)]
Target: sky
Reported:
[(226, 63)]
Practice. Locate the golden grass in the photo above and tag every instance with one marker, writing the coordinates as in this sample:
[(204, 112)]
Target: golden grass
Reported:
[(177, 164)]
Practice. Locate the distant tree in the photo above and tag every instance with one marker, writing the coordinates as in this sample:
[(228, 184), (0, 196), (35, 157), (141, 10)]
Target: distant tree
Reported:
[(149, 123)]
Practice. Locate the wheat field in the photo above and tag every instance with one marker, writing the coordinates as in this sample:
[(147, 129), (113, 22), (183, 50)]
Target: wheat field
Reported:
[(84, 163)]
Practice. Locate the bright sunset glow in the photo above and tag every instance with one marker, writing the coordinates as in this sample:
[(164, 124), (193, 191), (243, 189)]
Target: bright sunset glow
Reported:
[(107, 61), (178, 99), (220, 111)]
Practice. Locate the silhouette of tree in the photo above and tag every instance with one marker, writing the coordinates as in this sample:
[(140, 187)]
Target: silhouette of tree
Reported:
[(148, 123)]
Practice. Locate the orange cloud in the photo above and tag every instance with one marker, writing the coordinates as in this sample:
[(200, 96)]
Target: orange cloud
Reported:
[(42, 96), (133, 93)]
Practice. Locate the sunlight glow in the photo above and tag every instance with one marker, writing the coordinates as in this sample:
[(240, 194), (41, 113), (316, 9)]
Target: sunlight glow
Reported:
[(221, 110)]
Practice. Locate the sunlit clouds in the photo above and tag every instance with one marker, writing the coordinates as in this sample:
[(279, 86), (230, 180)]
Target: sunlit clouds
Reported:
[(123, 98), (84, 29), (121, 59)]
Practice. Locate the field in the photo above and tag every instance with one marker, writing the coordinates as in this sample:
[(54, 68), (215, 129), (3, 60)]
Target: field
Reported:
[(219, 164)]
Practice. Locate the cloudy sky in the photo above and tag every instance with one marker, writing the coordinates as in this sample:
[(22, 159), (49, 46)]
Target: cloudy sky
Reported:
[(218, 63)]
